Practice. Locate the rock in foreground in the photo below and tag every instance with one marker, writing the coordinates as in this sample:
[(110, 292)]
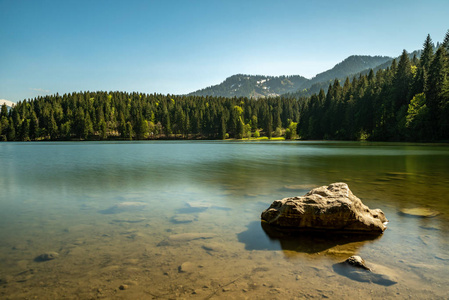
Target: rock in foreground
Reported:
[(357, 269), (326, 208), (46, 256)]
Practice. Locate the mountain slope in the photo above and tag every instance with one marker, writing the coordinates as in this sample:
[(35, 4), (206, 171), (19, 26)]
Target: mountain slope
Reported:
[(352, 65), (255, 86), (322, 80), (7, 102)]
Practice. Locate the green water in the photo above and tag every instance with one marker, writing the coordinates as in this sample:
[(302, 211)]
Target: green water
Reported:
[(65, 198)]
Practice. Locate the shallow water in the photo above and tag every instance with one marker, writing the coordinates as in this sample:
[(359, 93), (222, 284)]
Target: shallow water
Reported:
[(182, 219)]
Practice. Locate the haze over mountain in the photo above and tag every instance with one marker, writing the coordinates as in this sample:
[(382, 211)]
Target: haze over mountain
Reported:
[(256, 86)]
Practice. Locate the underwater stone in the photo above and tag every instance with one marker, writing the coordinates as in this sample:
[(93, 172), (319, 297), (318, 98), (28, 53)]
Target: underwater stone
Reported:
[(357, 269), (421, 212), (46, 256)]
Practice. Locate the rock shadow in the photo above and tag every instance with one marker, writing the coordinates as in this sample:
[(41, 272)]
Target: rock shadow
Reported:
[(362, 275), (262, 236)]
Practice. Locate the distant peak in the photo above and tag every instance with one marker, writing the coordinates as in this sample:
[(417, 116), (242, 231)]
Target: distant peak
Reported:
[(7, 102)]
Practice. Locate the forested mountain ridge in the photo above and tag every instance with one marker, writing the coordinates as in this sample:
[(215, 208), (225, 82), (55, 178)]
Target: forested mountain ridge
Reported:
[(253, 86), (350, 66), (407, 101), (323, 80), (256, 86)]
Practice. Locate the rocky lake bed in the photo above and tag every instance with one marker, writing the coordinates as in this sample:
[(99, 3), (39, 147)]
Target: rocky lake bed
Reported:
[(89, 237)]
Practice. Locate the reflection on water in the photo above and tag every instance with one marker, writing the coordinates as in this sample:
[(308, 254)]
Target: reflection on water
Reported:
[(105, 208), (302, 242)]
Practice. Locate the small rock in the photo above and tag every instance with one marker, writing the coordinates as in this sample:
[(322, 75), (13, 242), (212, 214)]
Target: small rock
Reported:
[(442, 256), (358, 262), (46, 256), (19, 247), (299, 187), (5, 280), (137, 220), (123, 287), (183, 218), (421, 212), (357, 269), (124, 207), (78, 242), (186, 237), (212, 247), (298, 277), (186, 267), (429, 227), (199, 205)]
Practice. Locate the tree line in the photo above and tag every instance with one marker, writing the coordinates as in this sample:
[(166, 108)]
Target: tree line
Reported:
[(120, 115), (409, 101)]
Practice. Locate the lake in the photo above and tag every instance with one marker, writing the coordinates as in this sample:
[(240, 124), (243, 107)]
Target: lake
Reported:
[(181, 219)]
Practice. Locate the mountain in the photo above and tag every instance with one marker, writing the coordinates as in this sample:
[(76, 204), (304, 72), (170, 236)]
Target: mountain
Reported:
[(253, 86), (8, 103), (257, 86), (322, 80), (352, 65)]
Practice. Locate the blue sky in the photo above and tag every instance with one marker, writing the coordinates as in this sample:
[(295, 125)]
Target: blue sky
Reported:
[(176, 47)]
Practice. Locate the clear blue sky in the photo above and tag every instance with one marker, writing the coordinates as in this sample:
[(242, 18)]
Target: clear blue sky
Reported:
[(176, 47)]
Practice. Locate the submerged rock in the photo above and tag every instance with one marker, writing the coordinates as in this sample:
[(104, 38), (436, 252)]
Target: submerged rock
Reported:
[(46, 256), (183, 218), (186, 237), (325, 208), (186, 267), (357, 269), (299, 187), (123, 206), (421, 212)]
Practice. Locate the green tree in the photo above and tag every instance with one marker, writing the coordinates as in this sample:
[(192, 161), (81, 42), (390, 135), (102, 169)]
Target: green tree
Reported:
[(437, 83), (269, 126), (418, 118), (88, 127), (290, 132), (4, 111), (66, 129), (142, 129), (222, 129), (102, 129), (129, 130), (25, 130), (11, 132)]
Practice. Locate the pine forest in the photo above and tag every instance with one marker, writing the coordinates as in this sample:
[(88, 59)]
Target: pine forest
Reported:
[(408, 101)]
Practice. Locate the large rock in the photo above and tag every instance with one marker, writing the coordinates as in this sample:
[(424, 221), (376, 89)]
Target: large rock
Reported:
[(326, 208)]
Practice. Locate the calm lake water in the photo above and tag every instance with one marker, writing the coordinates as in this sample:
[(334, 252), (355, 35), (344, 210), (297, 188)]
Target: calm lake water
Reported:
[(143, 220)]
